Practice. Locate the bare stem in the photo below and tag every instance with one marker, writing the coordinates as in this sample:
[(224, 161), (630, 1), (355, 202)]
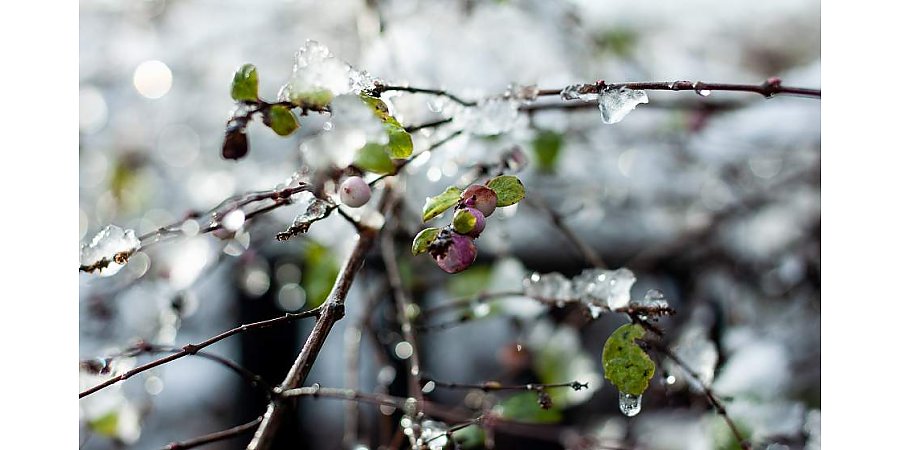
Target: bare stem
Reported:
[(389, 255), (710, 395), (488, 386), (588, 253), (191, 349), (215, 437), (331, 311)]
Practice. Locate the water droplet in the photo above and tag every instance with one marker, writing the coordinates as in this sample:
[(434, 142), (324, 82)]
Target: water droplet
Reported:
[(704, 92), (327, 126), (630, 405), (615, 104), (234, 220)]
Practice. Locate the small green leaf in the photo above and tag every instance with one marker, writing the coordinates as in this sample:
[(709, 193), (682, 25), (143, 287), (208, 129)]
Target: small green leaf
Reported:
[(440, 203), (245, 85), (463, 221), (315, 99), (374, 158), (523, 407), (423, 240), (508, 188), (281, 120), (400, 142), (547, 146), (625, 363), (106, 425)]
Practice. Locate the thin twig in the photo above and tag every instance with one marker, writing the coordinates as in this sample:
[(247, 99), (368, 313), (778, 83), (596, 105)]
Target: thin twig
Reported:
[(191, 349), (413, 90), (489, 386), (412, 158), (389, 255), (769, 88), (710, 395), (588, 253), (215, 437)]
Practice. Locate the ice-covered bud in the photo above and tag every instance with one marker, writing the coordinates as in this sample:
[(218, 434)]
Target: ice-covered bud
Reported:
[(459, 255), (355, 192), (468, 221), (481, 198)]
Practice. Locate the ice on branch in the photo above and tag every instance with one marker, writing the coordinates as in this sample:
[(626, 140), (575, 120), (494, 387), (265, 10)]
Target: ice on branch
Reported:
[(109, 250), (616, 103), (315, 210), (319, 76), (499, 114), (598, 289), (425, 435)]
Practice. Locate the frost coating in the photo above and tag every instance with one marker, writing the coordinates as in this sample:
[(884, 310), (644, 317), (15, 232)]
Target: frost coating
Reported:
[(615, 104), (598, 289), (609, 288), (318, 76), (490, 116), (109, 250)]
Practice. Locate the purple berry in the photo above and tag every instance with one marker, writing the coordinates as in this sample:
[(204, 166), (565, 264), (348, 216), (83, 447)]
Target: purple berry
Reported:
[(355, 192), (459, 255), (481, 198), (468, 221)]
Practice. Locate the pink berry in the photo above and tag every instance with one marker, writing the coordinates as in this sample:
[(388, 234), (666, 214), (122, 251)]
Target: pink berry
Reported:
[(481, 198), (355, 192), (459, 255)]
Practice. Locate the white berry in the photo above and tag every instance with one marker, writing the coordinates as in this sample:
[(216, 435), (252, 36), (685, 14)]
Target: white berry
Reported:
[(355, 192)]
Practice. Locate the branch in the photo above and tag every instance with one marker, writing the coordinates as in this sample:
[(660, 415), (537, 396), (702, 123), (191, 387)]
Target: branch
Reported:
[(769, 88), (379, 88), (214, 437), (191, 349), (588, 253), (489, 386), (389, 255), (710, 396), (331, 311)]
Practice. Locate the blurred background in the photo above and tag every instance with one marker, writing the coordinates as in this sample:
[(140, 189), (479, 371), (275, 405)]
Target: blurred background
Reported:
[(713, 200)]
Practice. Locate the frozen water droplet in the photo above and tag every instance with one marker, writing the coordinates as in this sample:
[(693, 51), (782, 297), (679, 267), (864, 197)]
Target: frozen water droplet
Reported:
[(576, 92), (616, 103), (630, 405), (526, 94), (109, 250), (549, 286), (704, 92), (327, 126), (654, 298)]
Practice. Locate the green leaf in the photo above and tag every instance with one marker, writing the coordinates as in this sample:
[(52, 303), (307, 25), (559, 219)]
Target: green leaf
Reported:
[(508, 188), (315, 99), (523, 407), (107, 425), (281, 120), (440, 203), (463, 221), (320, 270), (245, 85), (625, 363), (547, 146), (400, 143), (423, 240), (379, 107), (374, 158)]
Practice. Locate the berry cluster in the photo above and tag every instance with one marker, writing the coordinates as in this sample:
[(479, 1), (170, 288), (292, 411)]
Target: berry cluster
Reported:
[(453, 246)]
